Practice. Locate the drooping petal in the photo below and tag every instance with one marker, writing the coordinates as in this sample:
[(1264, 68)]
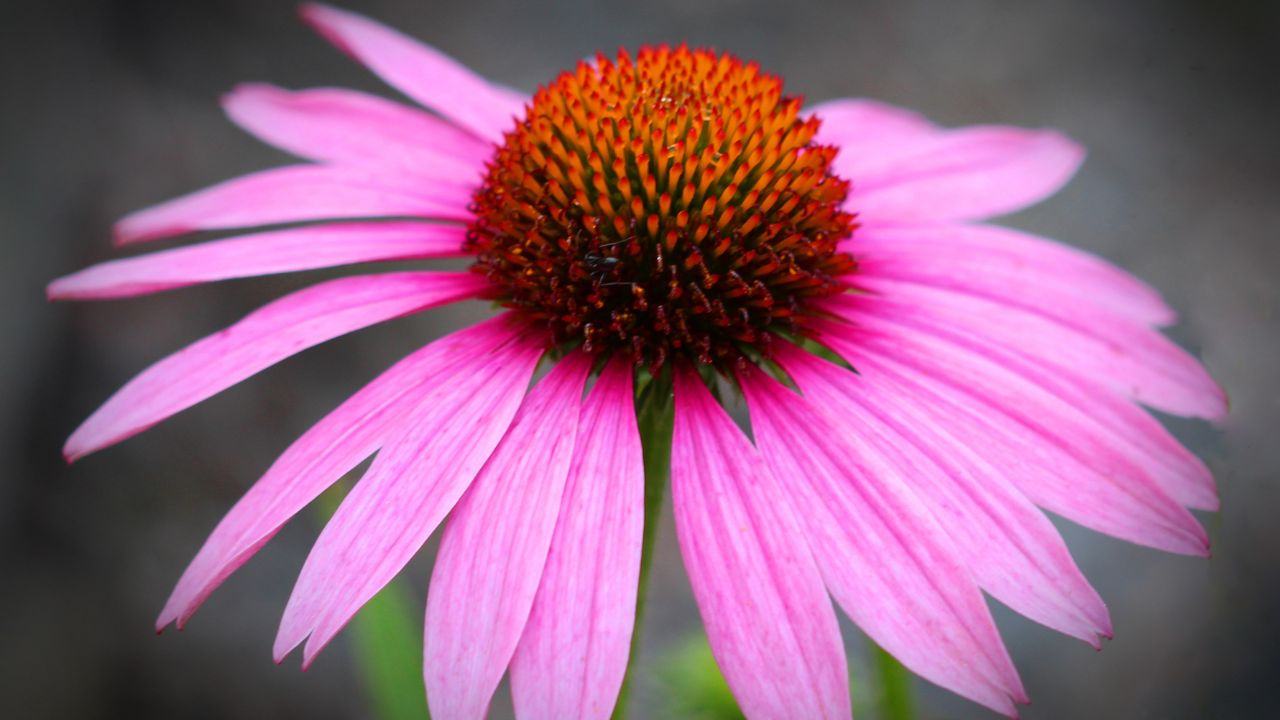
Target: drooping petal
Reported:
[(421, 72), (495, 546), (326, 452), (354, 128), (414, 481), (1005, 265), (966, 174), (264, 337), (1009, 546), (1136, 361), (299, 193), (770, 623), (1084, 383), (868, 132), (573, 654), (267, 253), (884, 557), (1023, 436)]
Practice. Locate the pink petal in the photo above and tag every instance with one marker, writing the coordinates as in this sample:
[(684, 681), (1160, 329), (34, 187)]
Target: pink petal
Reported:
[(295, 194), (1005, 265), (419, 71), (264, 337), (353, 128), (1051, 365), (1135, 360), (574, 651), (1009, 546), (326, 452), (279, 251), (412, 484), (868, 132), (495, 546), (965, 174), (771, 626), (1033, 440), (884, 557)]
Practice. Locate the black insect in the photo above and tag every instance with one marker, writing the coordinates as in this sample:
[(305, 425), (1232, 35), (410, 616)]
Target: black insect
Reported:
[(603, 267)]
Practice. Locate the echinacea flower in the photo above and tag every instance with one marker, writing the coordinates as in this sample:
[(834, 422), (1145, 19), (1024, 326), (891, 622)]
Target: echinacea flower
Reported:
[(919, 384)]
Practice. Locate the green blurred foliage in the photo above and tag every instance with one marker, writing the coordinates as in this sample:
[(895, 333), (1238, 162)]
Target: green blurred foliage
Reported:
[(692, 686)]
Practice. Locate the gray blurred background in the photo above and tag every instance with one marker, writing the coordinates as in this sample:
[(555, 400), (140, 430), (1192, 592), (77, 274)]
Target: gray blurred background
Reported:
[(110, 105)]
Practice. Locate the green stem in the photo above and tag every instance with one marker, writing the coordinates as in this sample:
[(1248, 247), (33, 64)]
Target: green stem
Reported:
[(385, 637), (655, 417), (895, 687)]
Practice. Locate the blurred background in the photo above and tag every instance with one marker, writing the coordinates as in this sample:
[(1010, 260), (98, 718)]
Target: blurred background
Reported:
[(110, 105)]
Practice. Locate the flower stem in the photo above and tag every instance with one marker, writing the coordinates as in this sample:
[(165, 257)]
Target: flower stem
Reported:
[(895, 687), (385, 637), (655, 417)]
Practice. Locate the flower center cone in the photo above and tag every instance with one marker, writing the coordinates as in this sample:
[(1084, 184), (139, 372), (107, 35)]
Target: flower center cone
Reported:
[(669, 206)]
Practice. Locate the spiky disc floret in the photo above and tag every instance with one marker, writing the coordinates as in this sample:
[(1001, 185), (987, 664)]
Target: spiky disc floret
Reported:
[(671, 205)]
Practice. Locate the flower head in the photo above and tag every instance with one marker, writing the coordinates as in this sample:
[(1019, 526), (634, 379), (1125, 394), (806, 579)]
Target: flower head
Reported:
[(919, 384), (674, 206)]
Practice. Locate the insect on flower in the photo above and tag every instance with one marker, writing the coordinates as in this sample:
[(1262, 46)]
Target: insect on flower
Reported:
[(604, 267), (920, 384)]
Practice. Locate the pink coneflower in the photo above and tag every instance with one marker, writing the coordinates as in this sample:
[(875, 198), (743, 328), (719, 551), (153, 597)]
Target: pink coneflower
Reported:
[(919, 384)]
